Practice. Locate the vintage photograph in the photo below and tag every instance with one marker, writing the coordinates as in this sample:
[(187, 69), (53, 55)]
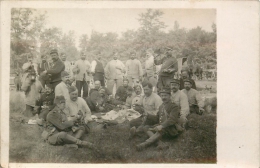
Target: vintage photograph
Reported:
[(133, 85)]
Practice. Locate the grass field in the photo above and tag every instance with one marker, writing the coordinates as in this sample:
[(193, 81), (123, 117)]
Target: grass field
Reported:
[(196, 145)]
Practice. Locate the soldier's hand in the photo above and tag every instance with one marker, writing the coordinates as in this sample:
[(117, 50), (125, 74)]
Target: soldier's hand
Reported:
[(201, 111), (158, 128)]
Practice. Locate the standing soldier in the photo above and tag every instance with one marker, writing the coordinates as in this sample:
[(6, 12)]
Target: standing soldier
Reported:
[(97, 70), (149, 74), (114, 72), (29, 66), (43, 66), (55, 71), (134, 70), (66, 63), (168, 69), (82, 70)]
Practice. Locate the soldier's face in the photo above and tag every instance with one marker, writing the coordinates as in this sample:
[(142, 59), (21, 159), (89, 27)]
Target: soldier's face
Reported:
[(129, 93), (147, 91), (165, 97), (187, 85), (63, 57), (66, 79), (138, 90), (174, 87), (54, 56), (125, 83), (184, 75), (97, 85), (132, 56), (48, 90), (61, 105), (83, 56), (74, 95)]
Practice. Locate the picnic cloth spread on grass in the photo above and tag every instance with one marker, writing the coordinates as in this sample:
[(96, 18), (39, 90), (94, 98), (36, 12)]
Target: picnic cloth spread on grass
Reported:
[(120, 116)]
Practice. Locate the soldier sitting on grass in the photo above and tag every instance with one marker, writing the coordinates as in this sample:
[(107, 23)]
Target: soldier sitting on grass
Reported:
[(167, 119), (59, 128), (45, 103)]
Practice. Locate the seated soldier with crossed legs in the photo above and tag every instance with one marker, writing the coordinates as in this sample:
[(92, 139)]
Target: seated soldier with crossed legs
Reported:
[(59, 127), (167, 120)]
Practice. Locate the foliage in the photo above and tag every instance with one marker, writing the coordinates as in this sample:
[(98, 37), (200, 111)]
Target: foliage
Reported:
[(28, 34)]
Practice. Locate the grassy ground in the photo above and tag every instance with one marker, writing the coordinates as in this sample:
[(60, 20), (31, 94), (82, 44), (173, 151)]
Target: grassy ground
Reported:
[(196, 145)]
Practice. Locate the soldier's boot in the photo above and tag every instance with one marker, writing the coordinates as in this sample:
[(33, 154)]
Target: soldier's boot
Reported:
[(132, 132), (143, 145), (85, 144), (162, 145), (28, 112), (79, 134)]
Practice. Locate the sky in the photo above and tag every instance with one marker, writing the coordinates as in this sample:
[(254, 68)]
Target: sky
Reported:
[(83, 21)]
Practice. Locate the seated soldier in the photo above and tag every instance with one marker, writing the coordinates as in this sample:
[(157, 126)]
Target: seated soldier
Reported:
[(93, 101), (130, 95), (150, 103), (167, 118), (121, 93), (137, 101), (107, 103), (62, 88), (184, 76), (181, 99), (45, 103), (59, 128), (98, 87), (77, 106), (195, 101)]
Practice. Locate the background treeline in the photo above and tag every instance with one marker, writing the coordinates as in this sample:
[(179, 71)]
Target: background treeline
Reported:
[(29, 35)]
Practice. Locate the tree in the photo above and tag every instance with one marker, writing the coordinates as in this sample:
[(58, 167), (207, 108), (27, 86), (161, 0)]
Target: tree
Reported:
[(26, 27), (83, 42), (67, 45)]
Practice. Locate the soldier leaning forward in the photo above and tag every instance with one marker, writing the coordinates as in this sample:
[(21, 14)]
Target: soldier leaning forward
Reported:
[(45, 103), (59, 129), (167, 122)]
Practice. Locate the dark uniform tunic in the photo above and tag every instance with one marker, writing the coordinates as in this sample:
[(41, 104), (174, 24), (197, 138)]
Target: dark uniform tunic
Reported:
[(168, 116), (99, 73), (166, 77), (122, 93), (46, 103), (55, 72)]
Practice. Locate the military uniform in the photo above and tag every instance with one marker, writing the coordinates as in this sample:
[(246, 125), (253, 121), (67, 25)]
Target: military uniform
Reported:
[(167, 118), (59, 129), (46, 104)]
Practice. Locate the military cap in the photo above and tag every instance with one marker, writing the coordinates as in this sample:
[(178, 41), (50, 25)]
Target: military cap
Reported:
[(125, 79), (64, 73), (188, 80), (175, 81), (54, 51), (72, 89), (59, 99), (166, 90)]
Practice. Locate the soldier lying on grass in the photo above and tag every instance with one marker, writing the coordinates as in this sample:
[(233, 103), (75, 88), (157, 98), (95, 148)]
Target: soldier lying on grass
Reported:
[(59, 128), (167, 119)]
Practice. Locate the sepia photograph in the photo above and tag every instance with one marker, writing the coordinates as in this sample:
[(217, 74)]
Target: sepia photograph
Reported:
[(113, 85)]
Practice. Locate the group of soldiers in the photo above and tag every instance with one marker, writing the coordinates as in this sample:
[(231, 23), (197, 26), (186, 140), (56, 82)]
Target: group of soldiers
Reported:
[(63, 99)]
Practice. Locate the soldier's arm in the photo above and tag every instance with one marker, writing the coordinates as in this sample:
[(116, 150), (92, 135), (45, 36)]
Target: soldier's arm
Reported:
[(199, 100), (172, 119), (140, 68), (158, 103), (53, 119), (57, 68), (184, 103)]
